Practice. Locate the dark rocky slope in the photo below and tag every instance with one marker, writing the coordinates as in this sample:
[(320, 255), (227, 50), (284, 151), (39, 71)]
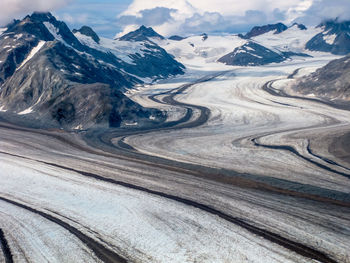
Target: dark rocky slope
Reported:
[(141, 34), (300, 26), (87, 31), (50, 79), (253, 54), (155, 61), (330, 83), (176, 38), (334, 38), (259, 30)]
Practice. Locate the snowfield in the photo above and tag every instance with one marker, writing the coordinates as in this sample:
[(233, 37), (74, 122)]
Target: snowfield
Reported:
[(293, 39), (121, 49), (196, 52)]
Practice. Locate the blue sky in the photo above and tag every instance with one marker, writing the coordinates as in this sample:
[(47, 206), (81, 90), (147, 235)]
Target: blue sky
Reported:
[(101, 15), (182, 17)]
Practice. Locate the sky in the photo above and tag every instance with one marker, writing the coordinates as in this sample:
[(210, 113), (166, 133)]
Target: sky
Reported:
[(110, 18)]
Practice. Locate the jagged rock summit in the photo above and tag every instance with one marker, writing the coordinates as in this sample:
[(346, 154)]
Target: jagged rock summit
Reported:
[(88, 31), (204, 36), (300, 26), (254, 54), (141, 34), (334, 38), (259, 30), (177, 38), (251, 54)]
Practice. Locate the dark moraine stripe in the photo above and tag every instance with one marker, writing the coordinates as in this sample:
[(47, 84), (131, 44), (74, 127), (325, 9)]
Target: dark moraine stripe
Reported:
[(103, 253), (5, 248), (299, 248)]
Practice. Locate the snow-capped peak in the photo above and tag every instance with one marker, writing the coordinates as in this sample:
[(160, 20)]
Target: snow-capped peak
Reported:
[(141, 34)]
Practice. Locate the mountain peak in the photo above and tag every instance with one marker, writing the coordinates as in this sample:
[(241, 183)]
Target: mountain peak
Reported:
[(328, 22), (45, 27), (335, 25), (176, 38), (88, 31), (42, 17), (259, 30), (204, 36), (251, 54), (141, 34), (334, 38), (34, 25), (300, 26)]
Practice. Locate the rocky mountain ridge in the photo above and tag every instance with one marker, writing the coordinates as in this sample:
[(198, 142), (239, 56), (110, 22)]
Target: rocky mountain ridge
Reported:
[(76, 79), (259, 30), (334, 38), (89, 32), (50, 79), (330, 83), (254, 54), (141, 34)]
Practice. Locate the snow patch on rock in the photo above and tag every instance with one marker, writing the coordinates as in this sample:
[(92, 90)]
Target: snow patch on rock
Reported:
[(329, 39), (2, 30), (121, 49), (54, 32), (32, 53)]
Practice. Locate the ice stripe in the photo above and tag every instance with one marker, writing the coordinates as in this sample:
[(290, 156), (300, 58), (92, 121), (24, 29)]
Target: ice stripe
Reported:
[(32, 53)]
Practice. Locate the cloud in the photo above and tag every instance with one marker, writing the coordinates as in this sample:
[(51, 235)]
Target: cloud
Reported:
[(76, 19), (155, 16), (324, 9), (196, 16), (11, 9)]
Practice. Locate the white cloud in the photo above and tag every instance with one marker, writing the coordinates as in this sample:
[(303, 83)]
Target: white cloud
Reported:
[(224, 7), (192, 16), (138, 5), (11, 9), (325, 9), (77, 18)]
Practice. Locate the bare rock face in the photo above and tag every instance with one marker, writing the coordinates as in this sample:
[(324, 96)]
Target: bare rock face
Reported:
[(300, 26), (88, 31), (177, 38), (330, 83), (253, 54), (50, 79), (335, 38), (259, 30), (141, 34), (155, 61)]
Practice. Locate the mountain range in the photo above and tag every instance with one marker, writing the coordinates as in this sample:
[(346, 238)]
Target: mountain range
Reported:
[(51, 76), (260, 30), (262, 45), (59, 79), (334, 37)]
